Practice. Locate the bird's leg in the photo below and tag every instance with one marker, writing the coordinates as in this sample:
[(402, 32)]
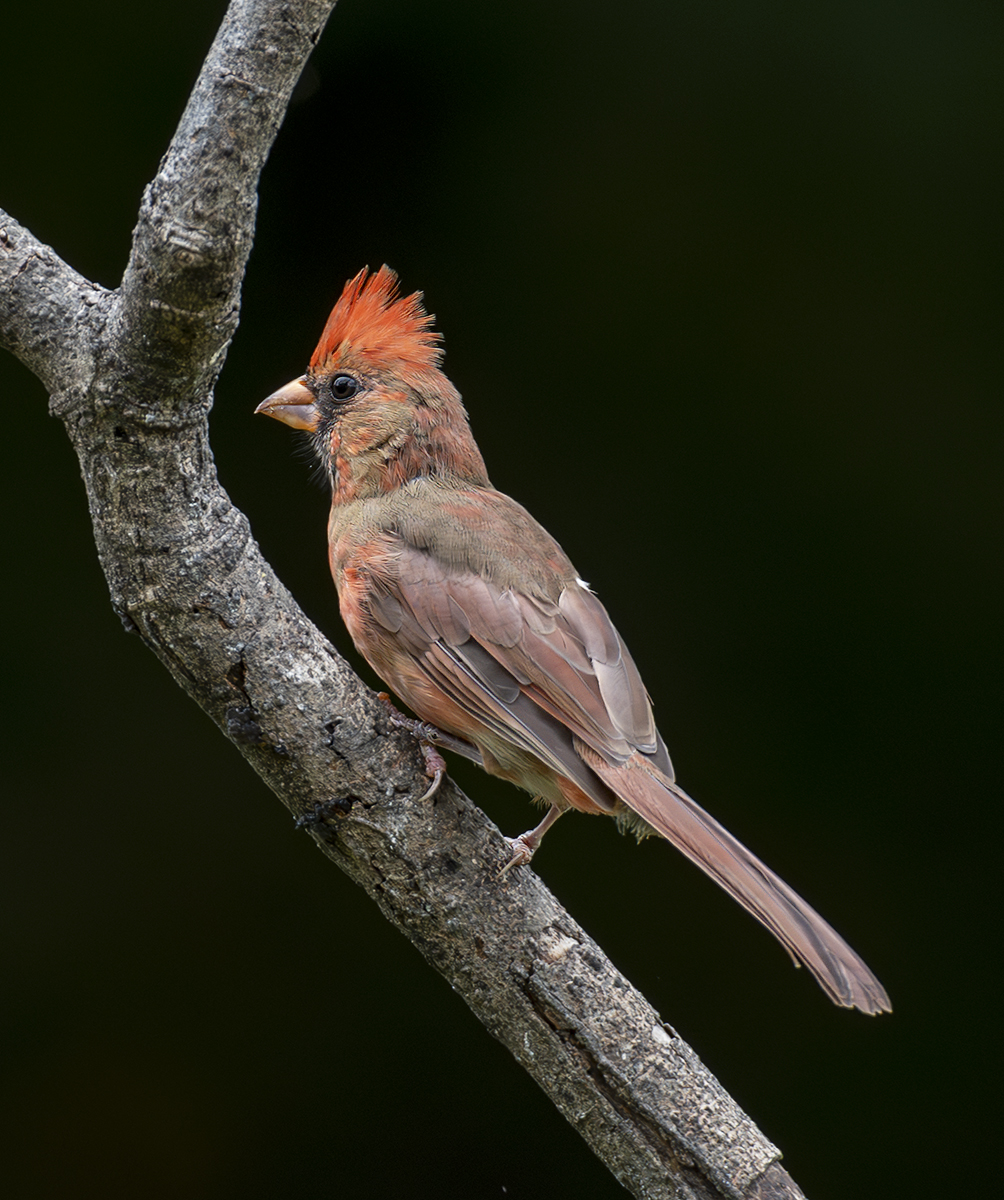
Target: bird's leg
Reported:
[(525, 845), (430, 733), (429, 737)]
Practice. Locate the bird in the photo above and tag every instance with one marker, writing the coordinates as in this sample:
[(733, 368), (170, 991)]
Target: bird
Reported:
[(473, 615)]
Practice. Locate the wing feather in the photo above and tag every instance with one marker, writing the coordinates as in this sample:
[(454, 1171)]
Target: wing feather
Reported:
[(566, 657), (551, 681)]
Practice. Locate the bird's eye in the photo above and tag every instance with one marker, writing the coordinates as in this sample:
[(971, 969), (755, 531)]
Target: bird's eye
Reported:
[(344, 387)]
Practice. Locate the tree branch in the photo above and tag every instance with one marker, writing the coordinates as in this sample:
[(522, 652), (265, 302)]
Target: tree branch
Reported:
[(44, 309), (131, 374)]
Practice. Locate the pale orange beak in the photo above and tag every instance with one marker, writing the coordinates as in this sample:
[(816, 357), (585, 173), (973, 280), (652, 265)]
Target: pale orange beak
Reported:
[(293, 405)]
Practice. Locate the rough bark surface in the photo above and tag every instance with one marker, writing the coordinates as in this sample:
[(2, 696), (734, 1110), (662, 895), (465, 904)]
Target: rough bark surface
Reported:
[(131, 374)]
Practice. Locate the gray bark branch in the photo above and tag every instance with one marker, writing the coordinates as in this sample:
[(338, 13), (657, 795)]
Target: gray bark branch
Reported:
[(131, 373)]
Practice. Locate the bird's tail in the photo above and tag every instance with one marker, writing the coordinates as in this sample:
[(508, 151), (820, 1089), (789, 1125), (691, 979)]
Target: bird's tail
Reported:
[(800, 929)]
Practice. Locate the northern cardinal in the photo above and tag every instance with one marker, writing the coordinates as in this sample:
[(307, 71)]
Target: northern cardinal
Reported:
[(473, 614)]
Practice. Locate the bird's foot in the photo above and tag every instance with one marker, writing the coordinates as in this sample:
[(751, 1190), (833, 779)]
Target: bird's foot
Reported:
[(421, 730), (435, 768), (427, 736), (524, 847), (431, 733)]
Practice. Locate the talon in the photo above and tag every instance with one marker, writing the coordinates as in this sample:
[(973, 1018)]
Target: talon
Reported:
[(435, 768), (433, 787), (419, 729), (522, 852), (427, 735), (430, 733), (524, 846)]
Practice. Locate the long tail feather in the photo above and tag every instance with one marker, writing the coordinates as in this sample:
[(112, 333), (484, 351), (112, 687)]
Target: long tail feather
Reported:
[(800, 929)]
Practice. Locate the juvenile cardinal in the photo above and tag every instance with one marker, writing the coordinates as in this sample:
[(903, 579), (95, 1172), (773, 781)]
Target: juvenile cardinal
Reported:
[(472, 613)]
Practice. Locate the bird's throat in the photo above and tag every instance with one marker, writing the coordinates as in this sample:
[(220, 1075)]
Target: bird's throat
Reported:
[(392, 445)]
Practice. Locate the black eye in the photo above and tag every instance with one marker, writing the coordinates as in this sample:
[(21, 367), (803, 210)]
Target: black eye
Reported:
[(344, 387)]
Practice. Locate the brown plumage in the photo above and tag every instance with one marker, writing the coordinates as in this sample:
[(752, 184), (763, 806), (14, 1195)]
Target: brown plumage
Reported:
[(473, 614)]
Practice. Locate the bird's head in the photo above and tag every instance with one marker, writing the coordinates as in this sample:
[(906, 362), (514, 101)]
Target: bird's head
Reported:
[(379, 410)]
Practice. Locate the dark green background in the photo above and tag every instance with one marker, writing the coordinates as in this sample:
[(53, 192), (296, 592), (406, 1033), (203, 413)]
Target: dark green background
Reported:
[(717, 285)]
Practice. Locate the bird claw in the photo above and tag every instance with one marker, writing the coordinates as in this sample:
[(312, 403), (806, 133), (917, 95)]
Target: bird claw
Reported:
[(435, 768), (426, 735), (421, 730), (524, 846), (431, 733), (522, 851)]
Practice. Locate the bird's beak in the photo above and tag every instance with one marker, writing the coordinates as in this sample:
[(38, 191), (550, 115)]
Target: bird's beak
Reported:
[(293, 405)]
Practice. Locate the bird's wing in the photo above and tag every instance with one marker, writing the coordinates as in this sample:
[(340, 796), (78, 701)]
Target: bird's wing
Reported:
[(514, 665), (509, 656), (555, 679)]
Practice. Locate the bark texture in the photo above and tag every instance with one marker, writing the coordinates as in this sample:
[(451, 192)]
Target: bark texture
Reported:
[(130, 372)]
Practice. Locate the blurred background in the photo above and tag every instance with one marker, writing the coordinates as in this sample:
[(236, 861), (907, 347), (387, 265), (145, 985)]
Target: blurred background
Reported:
[(719, 286)]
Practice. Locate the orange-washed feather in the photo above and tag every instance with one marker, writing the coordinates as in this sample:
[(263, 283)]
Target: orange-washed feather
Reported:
[(475, 616), (373, 323)]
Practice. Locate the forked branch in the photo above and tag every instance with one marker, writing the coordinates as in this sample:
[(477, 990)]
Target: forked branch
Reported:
[(131, 374)]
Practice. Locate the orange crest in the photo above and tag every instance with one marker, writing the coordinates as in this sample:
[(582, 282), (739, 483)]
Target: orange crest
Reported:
[(372, 322)]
